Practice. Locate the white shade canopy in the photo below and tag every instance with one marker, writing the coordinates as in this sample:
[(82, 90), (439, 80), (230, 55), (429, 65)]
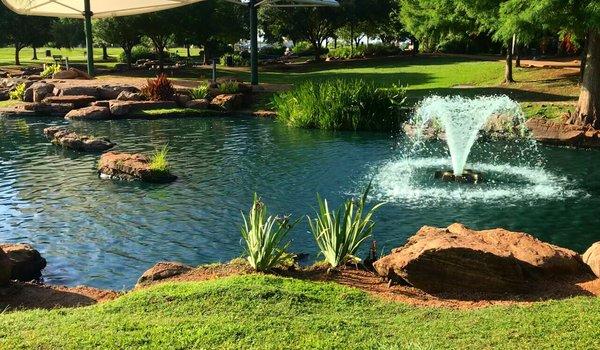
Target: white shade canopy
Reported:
[(99, 8)]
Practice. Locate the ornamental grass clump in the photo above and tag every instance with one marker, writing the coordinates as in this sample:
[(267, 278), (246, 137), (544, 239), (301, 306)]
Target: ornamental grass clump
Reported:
[(18, 93), (342, 105), (229, 87), (159, 89), (158, 160), (200, 92), (264, 237), (340, 232), (50, 70)]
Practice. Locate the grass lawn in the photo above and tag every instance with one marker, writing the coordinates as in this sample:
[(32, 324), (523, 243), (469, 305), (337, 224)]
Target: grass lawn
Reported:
[(265, 312)]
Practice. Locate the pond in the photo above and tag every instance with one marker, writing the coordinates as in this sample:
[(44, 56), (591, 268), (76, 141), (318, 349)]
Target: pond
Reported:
[(105, 234)]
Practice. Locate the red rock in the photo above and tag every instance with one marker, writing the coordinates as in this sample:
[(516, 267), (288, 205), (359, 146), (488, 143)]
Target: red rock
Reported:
[(228, 102), (592, 258), (5, 268), (130, 96), (265, 114), (198, 104), (125, 166), (78, 91), (457, 259), (161, 271), (111, 92), (559, 133), (38, 91), (78, 101), (71, 73), (89, 113), (123, 108), (27, 263), (60, 136)]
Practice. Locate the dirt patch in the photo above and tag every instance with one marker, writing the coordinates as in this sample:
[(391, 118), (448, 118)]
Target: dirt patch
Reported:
[(25, 295)]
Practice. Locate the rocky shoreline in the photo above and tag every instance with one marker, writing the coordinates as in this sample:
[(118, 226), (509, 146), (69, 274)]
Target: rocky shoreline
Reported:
[(449, 267)]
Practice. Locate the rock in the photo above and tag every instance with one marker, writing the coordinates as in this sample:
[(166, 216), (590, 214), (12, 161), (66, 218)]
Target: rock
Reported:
[(27, 263), (60, 136), (457, 259), (111, 92), (559, 133), (161, 271), (4, 94), (38, 91), (78, 101), (182, 99), (101, 104), (198, 104), (125, 166), (228, 102), (78, 91), (71, 73), (592, 258), (123, 108), (130, 96), (265, 114), (89, 113), (5, 268), (45, 109)]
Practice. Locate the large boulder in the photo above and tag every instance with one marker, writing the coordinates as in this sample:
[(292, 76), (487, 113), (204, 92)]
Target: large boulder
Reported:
[(161, 271), (123, 108), (27, 263), (38, 91), (71, 73), (560, 133), (131, 96), (111, 92), (60, 136), (458, 259), (126, 166), (228, 102), (78, 90), (592, 258), (78, 101), (198, 104), (5, 268), (89, 113)]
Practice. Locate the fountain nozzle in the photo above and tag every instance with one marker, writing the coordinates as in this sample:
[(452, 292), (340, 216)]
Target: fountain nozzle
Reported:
[(468, 176)]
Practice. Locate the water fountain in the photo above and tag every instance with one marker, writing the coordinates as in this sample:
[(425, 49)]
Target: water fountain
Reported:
[(462, 119)]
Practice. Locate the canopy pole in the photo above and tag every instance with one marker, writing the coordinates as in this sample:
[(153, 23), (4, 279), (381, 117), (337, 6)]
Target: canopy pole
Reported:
[(253, 41), (87, 12)]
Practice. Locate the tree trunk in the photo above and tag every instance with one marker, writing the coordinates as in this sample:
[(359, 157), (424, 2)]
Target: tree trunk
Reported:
[(104, 53), (583, 59), (335, 43), (34, 58), (588, 106), (127, 51), (189, 54), (508, 71), (518, 56), (17, 50)]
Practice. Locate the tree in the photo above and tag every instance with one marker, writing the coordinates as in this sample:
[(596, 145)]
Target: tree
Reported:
[(121, 31), (66, 32), (362, 18), (312, 24), (22, 31)]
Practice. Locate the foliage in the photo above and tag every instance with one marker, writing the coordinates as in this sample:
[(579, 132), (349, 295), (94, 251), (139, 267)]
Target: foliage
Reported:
[(339, 233), (238, 60), (263, 237), (159, 89), (158, 160), (138, 52), (341, 105), (50, 70), (122, 31), (362, 51), (229, 87), (22, 31), (200, 92), (347, 52), (18, 93), (66, 32), (272, 51)]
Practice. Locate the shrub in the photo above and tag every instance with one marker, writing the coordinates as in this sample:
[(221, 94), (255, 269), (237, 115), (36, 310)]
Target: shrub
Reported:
[(229, 87), (18, 93), (158, 160), (340, 233), (342, 105), (263, 237), (138, 52), (239, 60), (159, 89), (347, 52), (200, 92), (271, 51), (304, 48), (50, 70)]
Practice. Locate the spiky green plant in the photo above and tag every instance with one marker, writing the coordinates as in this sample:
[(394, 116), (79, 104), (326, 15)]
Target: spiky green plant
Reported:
[(200, 92), (229, 87), (50, 70), (18, 93), (264, 237), (340, 232), (159, 161)]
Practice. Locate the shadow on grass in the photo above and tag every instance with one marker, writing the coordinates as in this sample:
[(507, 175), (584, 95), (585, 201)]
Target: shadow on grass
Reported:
[(514, 93)]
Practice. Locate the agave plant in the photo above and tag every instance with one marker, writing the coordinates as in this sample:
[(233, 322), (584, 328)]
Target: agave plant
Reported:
[(340, 232), (264, 236)]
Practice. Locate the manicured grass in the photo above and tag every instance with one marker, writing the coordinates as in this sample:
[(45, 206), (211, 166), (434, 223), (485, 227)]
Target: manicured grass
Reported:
[(547, 110), (173, 113), (263, 312)]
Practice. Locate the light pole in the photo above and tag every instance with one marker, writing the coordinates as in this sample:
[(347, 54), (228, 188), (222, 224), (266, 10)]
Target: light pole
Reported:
[(252, 4)]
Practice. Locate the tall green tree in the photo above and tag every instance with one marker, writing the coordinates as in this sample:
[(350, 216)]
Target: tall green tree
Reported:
[(122, 31), (22, 31), (67, 33)]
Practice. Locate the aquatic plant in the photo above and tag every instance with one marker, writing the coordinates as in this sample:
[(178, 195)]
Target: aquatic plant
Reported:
[(159, 161), (342, 105), (159, 89), (50, 70), (200, 92), (18, 93), (340, 232), (264, 236)]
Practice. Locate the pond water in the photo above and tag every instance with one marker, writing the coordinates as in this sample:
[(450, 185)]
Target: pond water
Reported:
[(105, 234)]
